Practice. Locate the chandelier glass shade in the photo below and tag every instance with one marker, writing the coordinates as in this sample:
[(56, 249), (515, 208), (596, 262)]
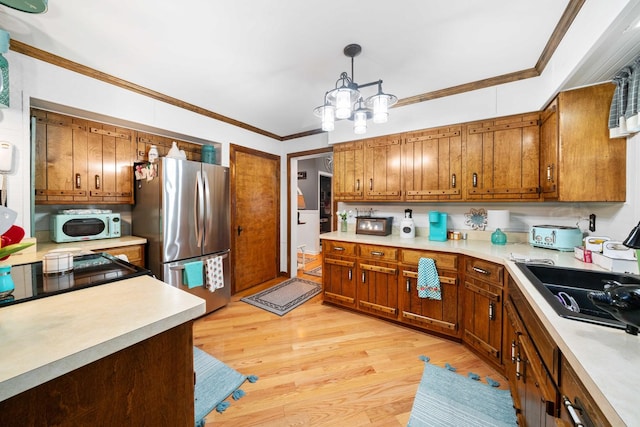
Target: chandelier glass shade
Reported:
[(345, 101)]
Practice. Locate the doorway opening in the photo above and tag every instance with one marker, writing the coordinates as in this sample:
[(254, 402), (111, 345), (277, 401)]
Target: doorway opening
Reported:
[(311, 206)]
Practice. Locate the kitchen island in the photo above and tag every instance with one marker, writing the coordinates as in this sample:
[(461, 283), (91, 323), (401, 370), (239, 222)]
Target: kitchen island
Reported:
[(605, 359), (115, 354), (35, 254)]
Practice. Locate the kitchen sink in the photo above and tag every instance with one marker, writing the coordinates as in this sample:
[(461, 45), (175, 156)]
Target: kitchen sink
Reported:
[(566, 289)]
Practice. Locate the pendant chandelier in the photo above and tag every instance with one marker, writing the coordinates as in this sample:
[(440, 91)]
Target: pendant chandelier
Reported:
[(346, 102)]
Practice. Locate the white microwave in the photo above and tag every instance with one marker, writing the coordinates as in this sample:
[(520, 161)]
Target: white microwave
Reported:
[(78, 227)]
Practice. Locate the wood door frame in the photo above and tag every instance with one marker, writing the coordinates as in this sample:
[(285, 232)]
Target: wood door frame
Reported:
[(291, 156), (233, 149)]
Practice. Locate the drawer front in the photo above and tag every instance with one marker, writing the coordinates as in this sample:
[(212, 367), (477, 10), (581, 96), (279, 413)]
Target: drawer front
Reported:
[(331, 247), (484, 270), (443, 261), (383, 253)]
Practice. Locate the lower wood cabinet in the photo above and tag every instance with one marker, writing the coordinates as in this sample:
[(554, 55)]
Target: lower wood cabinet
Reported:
[(339, 273), (576, 405), (135, 253), (377, 291), (440, 316), (482, 307)]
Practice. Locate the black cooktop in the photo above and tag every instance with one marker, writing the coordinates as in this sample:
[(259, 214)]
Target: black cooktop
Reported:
[(88, 270)]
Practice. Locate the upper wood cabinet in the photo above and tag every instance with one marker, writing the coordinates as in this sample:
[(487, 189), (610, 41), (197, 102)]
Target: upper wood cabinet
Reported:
[(432, 165), (578, 160), (348, 171), (61, 159), (81, 162), (110, 151), (501, 158), (382, 168)]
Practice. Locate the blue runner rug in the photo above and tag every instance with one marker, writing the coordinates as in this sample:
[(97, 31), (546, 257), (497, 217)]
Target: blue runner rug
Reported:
[(447, 399), (215, 382)]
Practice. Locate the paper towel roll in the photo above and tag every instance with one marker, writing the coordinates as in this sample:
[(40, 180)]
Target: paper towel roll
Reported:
[(498, 219)]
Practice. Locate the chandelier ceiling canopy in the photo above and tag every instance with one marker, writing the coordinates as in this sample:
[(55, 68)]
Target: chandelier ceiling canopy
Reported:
[(345, 100)]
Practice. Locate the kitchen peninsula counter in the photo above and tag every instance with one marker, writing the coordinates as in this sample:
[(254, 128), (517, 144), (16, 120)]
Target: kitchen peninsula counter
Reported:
[(605, 359), (55, 337), (28, 255)]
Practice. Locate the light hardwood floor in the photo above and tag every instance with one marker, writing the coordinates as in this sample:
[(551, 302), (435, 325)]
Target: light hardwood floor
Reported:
[(320, 365)]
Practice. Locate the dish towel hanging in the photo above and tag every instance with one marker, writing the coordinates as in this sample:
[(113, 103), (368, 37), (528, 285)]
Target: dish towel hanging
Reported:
[(428, 281), (215, 275), (192, 275)]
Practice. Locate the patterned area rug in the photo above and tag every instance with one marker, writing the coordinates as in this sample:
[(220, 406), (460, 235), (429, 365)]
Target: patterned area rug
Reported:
[(315, 272), (215, 382), (447, 399), (284, 297)]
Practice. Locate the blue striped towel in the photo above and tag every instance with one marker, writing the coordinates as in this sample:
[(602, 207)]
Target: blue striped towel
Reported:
[(428, 281)]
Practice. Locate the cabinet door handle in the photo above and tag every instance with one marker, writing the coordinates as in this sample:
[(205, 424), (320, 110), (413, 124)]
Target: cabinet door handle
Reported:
[(350, 274), (577, 421), (550, 173), (518, 373), (492, 311), (513, 351), (481, 271), (357, 185), (408, 285), (453, 180), (377, 253), (364, 277), (474, 179), (78, 181), (97, 182), (370, 184)]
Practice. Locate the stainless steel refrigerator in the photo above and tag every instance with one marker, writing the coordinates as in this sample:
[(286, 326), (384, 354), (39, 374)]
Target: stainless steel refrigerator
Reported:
[(184, 214)]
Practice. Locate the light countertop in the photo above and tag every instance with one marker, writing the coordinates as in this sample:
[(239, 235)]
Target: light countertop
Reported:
[(32, 254), (48, 337), (606, 359)]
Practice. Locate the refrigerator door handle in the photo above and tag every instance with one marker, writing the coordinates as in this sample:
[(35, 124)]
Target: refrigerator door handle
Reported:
[(198, 209), (207, 207)]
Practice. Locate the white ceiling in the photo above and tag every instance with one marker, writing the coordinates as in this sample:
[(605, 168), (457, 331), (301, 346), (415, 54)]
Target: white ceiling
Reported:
[(268, 64)]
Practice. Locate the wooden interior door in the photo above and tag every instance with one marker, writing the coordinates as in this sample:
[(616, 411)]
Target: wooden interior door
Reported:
[(255, 213)]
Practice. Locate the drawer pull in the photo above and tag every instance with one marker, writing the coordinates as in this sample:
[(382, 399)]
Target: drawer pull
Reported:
[(377, 253), (481, 271), (338, 249), (577, 421)]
